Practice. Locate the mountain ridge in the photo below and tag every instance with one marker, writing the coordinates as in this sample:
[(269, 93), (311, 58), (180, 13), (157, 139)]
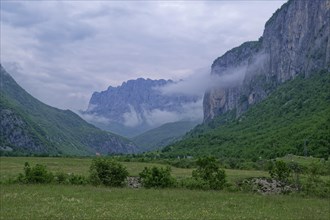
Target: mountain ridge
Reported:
[(30, 126), (137, 106)]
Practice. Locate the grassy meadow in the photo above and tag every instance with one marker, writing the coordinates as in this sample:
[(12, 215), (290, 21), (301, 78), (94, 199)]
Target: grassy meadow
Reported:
[(10, 167), (88, 202), (52, 201)]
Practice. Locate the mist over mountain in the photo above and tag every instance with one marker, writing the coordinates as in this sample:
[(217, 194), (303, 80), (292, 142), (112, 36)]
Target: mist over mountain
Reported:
[(141, 104), (270, 96), (295, 42)]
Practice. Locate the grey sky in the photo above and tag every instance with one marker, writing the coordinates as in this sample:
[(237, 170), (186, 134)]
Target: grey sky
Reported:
[(63, 51)]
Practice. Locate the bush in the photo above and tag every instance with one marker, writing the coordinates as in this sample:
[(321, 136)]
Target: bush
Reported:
[(157, 177), (193, 183), (210, 172), (107, 172), (296, 171), (36, 174), (63, 178), (315, 186), (77, 179), (280, 171)]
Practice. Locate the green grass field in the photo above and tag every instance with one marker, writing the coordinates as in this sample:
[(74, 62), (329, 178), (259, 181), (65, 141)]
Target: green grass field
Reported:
[(304, 161), (89, 202), (10, 167)]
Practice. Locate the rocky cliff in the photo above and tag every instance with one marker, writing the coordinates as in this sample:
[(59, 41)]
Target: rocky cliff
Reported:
[(295, 42), (136, 106)]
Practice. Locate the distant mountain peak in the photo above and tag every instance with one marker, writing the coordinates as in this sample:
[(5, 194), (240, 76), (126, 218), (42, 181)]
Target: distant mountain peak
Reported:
[(139, 105)]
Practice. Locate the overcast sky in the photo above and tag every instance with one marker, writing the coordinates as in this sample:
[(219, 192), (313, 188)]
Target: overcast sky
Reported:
[(63, 51)]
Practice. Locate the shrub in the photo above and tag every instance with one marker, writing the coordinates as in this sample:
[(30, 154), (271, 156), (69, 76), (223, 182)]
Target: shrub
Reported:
[(63, 178), (296, 170), (77, 179), (315, 186), (107, 172), (209, 171), (193, 183), (280, 171), (157, 177), (36, 174)]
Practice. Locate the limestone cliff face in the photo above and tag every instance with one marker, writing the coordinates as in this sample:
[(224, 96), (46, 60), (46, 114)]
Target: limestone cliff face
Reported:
[(14, 131), (138, 95), (295, 42), (135, 106)]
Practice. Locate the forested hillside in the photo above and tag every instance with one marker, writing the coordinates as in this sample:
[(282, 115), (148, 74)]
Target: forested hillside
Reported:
[(294, 119)]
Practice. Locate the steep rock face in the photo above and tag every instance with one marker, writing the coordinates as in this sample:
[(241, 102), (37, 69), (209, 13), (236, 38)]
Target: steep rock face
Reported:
[(15, 132), (134, 104), (295, 41), (139, 95)]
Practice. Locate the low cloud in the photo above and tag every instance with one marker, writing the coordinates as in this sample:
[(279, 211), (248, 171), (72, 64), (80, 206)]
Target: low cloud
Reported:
[(202, 80), (94, 119), (132, 118), (189, 112), (198, 83), (193, 85), (157, 117), (193, 111)]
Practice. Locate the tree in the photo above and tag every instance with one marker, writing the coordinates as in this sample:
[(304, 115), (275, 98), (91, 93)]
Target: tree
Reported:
[(280, 171), (107, 172), (36, 174), (157, 177), (209, 171)]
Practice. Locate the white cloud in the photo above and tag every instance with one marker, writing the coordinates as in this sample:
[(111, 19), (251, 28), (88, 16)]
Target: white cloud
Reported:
[(198, 83), (190, 112), (157, 117), (69, 49), (93, 118), (194, 85), (132, 118), (201, 81)]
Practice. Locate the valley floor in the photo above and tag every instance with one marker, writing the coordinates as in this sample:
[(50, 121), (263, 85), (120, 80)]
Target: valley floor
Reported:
[(33, 201), (88, 202)]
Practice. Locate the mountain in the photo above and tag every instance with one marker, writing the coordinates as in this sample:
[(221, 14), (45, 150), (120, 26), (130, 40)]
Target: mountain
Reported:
[(295, 42), (273, 94), (162, 136), (294, 119), (137, 106), (29, 126)]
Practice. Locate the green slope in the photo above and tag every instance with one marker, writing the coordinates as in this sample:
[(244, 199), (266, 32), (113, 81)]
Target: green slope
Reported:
[(294, 119), (30, 126), (162, 136), (120, 129)]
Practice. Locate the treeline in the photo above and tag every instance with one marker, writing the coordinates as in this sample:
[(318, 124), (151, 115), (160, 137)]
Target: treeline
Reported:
[(109, 172), (208, 175)]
